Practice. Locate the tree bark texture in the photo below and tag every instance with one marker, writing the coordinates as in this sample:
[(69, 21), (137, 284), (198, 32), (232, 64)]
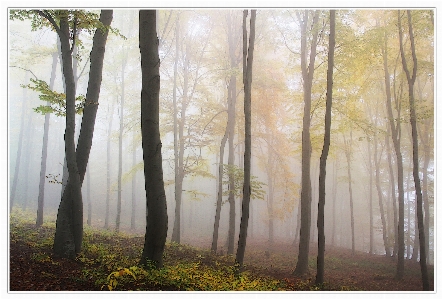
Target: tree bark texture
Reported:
[(156, 206)]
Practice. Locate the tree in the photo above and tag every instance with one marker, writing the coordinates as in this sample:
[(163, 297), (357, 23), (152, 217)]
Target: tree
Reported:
[(411, 78), (326, 146), (156, 206), (233, 34), (44, 150), (67, 24), (307, 76), (395, 136), (247, 80), (77, 159), (219, 197)]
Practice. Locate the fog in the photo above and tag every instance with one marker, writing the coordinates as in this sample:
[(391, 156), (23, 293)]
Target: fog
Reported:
[(204, 70)]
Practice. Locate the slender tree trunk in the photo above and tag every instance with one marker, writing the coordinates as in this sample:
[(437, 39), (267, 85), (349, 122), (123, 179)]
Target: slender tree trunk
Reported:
[(324, 154), (334, 192), (270, 187), (306, 192), (69, 230), (370, 199), (156, 206), (44, 150), (247, 80), (178, 189), (220, 193), (411, 80), (392, 194), (348, 146), (120, 145), (134, 183), (89, 199), (108, 167), (380, 195), (395, 136), (231, 111), (93, 92)]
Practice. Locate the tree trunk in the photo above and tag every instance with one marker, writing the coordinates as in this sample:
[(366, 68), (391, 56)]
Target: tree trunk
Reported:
[(270, 187), (348, 146), (93, 92), (69, 228), (370, 199), (334, 192), (89, 199), (220, 193), (408, 214), (247, 80), (156, 206), (108, 167), (44, 150), (380, 195), (324, 154), (176, 236), (306, 192), (395, 136), (231, 111), (120, 145), (134, 183), (411, 79)]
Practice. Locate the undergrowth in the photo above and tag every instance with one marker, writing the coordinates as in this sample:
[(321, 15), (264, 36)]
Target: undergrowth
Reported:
[(111, 261)]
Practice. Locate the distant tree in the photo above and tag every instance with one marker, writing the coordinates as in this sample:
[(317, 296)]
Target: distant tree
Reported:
[(156, 211), (44, 150)]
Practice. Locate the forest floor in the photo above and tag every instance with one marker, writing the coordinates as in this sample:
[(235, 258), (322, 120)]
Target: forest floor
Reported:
[(108, 261)]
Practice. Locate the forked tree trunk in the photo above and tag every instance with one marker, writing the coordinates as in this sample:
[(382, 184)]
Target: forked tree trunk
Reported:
[(69, 227)]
